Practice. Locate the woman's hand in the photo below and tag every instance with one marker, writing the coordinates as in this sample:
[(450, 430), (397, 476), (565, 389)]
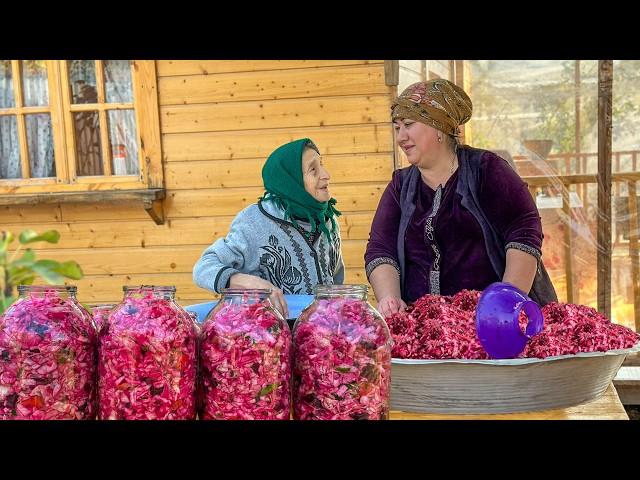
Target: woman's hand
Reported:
[(243, 280), (389, 305)]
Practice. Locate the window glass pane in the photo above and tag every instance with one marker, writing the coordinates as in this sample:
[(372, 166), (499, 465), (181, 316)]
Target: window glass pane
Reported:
[(625, 264), (82, 78), (124, 148), (88, 147), (35, 89), (9, 148), (40, 145), (118, 85), (544, 115), (7, 100)]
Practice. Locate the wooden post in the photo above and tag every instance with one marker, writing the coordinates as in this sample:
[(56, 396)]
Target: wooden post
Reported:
[(577, 103), (391, 72), (458, 68), (568, 255), (391, 80), (633, 251), (605, 100), (583, 187)]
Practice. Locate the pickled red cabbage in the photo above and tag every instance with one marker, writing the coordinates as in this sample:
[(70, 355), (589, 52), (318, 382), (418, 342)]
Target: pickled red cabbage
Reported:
[(245, 360), (342, 362), (147, 362), (47, 360), (441, 327)]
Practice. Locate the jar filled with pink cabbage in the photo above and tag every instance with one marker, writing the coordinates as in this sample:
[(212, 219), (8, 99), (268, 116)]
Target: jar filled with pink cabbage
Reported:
[(342, 357), (245, 359), (147, 362), (47, 356)]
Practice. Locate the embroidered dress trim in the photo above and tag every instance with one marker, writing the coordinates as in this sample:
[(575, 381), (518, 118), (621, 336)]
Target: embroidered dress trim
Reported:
[(429, 239), (376, 262), (524, 248)]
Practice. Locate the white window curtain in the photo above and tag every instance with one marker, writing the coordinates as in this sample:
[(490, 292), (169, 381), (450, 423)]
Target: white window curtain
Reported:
[(38, 126)]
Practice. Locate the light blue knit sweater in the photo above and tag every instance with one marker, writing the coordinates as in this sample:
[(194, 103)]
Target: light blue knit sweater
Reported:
[(260, 242)]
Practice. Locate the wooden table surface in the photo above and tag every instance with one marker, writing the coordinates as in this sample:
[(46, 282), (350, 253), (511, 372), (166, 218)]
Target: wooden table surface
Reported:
[(606, 407)]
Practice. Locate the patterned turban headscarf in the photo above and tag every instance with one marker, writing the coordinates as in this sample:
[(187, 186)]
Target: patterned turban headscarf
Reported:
[(438, 103)]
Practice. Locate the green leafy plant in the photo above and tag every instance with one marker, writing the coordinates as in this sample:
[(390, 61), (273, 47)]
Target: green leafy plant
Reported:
[(24, 269)]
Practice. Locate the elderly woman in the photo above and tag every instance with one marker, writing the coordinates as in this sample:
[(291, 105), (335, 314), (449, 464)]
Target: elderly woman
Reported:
[(289, 240), (457, 218)]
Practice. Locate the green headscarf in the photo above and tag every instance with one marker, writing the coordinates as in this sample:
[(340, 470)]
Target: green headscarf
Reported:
[(284, 185)]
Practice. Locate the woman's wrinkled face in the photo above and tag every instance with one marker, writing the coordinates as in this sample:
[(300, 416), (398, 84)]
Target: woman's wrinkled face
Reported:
[(418, 141), (315, 176)]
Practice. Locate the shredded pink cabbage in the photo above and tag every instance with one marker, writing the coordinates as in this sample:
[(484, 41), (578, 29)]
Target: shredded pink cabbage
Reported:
[(47, 360), (441, 327), (245, 361), (147, 361), (342, 362)]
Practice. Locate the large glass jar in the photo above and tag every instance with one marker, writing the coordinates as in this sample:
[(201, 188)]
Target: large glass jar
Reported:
[(147, 360), (47, 356), (342, 357), (245, 359)]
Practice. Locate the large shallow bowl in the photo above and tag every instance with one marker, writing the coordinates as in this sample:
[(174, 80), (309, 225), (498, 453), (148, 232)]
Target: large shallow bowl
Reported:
[(502, 386)]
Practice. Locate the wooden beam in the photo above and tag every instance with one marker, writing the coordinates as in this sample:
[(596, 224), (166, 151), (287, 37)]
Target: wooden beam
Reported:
[(391, 73), (145, 90), (458, 69), (107, 196), (154, 209), (605, 100), (543, 180)]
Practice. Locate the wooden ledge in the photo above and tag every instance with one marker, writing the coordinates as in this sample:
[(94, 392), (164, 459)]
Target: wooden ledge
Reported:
[(151, 199)]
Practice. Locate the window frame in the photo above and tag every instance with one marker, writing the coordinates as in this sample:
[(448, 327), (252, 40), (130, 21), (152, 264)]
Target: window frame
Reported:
[(60, 108)]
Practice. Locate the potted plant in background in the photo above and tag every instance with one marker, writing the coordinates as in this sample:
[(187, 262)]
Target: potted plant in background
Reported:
[(16, 269)]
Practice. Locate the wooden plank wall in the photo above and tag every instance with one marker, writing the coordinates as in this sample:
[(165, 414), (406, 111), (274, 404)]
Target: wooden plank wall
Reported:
[(219, 121)]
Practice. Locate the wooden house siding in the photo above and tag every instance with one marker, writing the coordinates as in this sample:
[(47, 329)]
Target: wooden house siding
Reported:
[(218, 122)]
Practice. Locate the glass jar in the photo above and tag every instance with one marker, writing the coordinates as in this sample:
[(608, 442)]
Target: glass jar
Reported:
[(100, 313), (342, 357), (245, 359), (147, 362), (47, 356)]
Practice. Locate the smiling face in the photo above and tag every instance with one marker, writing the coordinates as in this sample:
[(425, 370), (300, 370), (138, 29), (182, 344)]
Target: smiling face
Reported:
[(315, 176), (418, 141)]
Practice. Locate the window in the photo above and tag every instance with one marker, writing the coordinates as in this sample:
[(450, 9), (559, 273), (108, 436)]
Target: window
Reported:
[(79, 126)]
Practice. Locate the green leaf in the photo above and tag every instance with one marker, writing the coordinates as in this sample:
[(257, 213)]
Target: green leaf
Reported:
[(46, 269), (53, 272), (30, 236), (266, 390), (64, 355), (70, 269), (6, 303), (27, 259), (20, 275), (343, 369), (6, 238)]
